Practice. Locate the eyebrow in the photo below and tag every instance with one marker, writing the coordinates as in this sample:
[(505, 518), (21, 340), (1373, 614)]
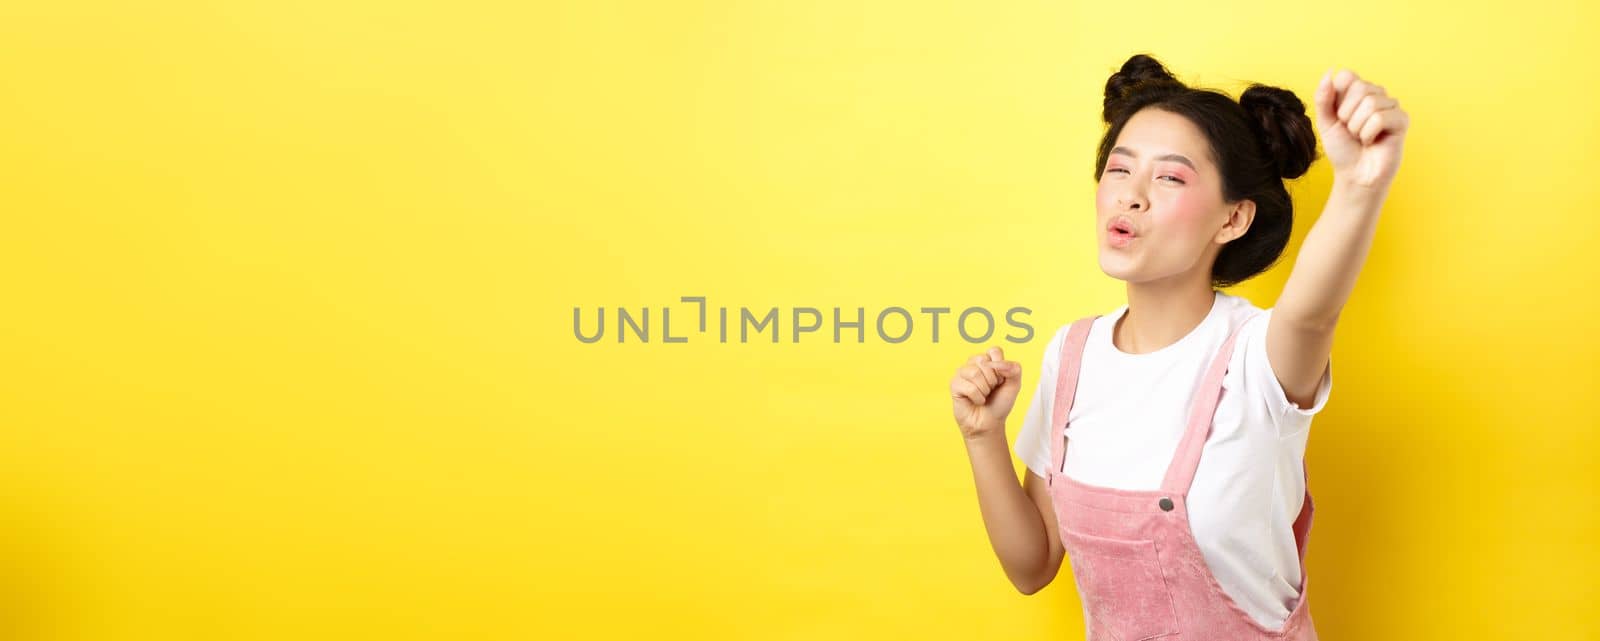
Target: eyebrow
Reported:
[(1172, 157)]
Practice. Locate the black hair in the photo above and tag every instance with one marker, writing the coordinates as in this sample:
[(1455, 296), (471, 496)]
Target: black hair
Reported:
[(1256, 143)]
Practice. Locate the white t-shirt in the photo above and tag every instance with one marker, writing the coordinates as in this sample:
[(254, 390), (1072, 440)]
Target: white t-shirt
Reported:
[(1130, 411)]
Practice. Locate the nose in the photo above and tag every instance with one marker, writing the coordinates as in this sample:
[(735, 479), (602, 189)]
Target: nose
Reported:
[(1132, 197)]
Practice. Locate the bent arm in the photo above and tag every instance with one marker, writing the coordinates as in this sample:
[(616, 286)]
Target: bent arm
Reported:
[(1020, 520)]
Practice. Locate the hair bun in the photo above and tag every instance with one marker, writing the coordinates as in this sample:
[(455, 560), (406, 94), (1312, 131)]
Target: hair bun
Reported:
[(1140, 77), (1286, 133)]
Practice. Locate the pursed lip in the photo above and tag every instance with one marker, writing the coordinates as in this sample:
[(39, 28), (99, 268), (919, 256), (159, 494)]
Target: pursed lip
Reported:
[(1122, 222)]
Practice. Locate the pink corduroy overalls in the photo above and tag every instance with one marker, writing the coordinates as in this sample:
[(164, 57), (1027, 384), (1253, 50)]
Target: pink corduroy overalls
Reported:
[(1138, 568)]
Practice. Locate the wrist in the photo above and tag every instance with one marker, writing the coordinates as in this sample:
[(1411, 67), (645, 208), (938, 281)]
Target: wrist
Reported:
[(1348, 191), (989, 436)]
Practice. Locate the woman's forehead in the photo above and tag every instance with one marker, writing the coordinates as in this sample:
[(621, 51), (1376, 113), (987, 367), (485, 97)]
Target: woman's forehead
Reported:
[(1155, 133)]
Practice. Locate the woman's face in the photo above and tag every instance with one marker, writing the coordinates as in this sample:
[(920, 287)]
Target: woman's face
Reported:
[(1160, 182)]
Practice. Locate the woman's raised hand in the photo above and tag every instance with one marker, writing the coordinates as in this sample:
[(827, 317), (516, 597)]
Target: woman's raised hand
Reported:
[(984, 389), (1362, 129)]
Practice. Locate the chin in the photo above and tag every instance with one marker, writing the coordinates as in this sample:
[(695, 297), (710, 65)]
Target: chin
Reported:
[(1115, 269)]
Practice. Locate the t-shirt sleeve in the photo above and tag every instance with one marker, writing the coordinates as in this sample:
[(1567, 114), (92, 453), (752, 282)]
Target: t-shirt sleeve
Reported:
[(1262, 380), (1033, 440)]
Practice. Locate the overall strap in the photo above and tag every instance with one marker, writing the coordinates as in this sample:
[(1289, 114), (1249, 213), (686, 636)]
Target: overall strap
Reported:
[(1180, 473), (1066, 389)]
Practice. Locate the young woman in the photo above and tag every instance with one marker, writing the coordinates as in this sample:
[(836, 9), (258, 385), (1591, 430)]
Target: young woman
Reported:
[(1182, 503)]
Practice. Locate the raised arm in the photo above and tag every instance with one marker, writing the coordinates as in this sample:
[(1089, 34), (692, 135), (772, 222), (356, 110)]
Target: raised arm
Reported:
[(1362, 130)]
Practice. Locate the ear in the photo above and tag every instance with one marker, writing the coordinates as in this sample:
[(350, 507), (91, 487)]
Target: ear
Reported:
[(1239, 218)]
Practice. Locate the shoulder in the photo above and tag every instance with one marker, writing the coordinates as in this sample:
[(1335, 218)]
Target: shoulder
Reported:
[(1052, 349), (1240, 314), (1248, 323), (1259, 375), (1051, 360), (1244, 317)]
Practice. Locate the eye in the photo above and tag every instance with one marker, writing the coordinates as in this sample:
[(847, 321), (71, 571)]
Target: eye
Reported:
[(1175, 179)]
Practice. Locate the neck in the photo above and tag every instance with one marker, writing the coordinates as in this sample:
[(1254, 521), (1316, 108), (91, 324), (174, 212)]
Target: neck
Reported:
[(1160, 313)]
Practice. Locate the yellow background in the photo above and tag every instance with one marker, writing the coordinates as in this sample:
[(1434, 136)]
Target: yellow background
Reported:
[(288, 296)]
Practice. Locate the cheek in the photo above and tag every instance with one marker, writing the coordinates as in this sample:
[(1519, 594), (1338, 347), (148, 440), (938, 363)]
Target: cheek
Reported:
[(1104, 198), (1187, 208)]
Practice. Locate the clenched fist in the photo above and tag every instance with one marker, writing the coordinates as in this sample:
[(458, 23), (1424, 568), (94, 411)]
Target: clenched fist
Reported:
[(1362, 129), (984, 390)]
